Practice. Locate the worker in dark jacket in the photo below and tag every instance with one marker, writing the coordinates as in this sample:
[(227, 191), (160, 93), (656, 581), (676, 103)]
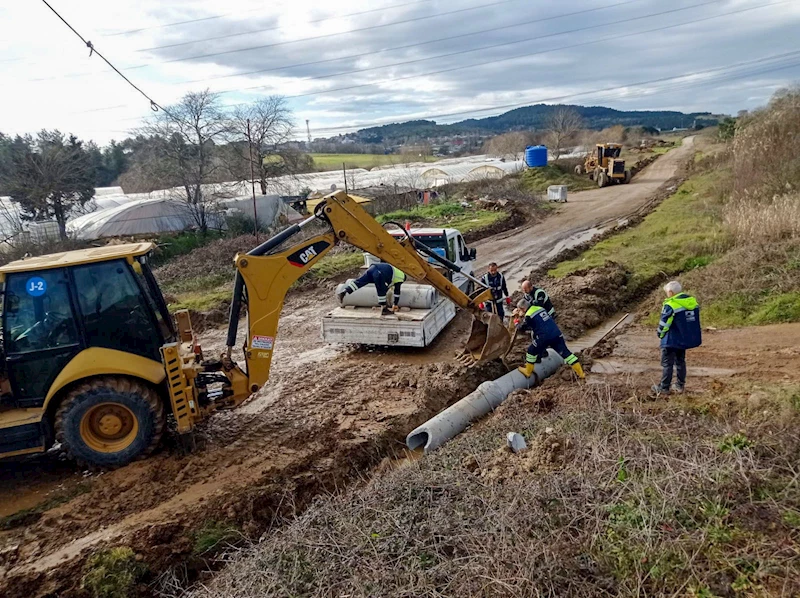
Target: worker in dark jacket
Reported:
[(679, 329), (545, 334), (497, 283), (538, 296), (383, 276)]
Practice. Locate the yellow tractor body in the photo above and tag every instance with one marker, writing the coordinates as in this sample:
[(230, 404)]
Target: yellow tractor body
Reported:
[(605, 166)]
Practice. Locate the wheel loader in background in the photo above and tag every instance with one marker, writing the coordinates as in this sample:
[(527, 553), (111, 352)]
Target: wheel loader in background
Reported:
[(92, 359), (605, 166)]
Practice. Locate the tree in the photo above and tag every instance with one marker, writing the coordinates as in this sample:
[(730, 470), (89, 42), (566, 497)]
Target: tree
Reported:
[(51, 178), (562, 124), (507, 145), (262, 130), (182, 152)]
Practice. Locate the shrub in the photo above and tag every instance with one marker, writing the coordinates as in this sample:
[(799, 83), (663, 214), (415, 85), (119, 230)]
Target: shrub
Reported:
[(112, 573)]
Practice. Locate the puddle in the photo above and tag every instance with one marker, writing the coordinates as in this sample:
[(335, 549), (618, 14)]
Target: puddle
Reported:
[(612, 366), (572, 241)]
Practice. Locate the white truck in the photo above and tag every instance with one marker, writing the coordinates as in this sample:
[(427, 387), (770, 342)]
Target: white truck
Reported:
[(423, 314)]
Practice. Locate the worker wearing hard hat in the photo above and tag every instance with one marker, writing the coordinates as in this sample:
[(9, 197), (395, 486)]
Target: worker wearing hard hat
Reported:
[(679, 329), (383, 276), (545, 334)]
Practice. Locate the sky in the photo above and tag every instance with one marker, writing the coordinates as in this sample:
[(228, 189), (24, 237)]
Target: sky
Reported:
[(346, 65)]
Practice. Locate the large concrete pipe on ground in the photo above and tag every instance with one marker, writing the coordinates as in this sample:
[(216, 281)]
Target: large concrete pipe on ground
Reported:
[(415, 296), (484, 399)]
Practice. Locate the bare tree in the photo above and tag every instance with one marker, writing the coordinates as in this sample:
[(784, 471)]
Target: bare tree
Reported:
[(508, 145), (260, 132), (184, 151), (562, 124)]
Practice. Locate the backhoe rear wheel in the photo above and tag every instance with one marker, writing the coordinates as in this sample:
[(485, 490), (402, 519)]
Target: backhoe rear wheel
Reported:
[(109, 422), (602, 179)]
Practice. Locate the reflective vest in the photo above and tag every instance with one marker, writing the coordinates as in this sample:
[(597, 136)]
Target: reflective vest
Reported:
[(679, 327), (539, 322), (398, 276)]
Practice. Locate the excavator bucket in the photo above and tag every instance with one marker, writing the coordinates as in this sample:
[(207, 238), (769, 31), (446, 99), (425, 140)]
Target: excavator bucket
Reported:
[(489, 338)]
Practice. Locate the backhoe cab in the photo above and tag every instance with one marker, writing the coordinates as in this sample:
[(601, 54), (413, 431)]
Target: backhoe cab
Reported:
[(92, 359), (605, 166)]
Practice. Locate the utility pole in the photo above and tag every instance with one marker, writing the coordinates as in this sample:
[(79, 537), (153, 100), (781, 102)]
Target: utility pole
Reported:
[(252, 181), (308, 131)]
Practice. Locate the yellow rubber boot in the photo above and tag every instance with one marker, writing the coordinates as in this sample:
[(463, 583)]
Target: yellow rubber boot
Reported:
[(576, 367), (527, 369)]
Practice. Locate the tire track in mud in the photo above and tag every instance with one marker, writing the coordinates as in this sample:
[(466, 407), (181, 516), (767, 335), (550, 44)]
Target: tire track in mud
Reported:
[(326, 416)]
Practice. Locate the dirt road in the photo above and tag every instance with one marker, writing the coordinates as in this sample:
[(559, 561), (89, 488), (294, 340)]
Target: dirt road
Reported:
[(585, 214), (326, 416)]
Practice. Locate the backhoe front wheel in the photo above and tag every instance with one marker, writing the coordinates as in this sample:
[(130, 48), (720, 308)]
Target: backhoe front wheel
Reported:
[(109, 422)]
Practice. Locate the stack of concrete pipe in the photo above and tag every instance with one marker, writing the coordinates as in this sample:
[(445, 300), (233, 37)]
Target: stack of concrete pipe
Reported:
[(412, 295)]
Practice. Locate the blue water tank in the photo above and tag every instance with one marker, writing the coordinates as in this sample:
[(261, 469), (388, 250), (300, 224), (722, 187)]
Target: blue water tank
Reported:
[(536, 155)]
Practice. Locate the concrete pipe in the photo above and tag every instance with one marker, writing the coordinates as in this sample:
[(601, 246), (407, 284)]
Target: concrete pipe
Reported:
[(486, 398), (415, 296)]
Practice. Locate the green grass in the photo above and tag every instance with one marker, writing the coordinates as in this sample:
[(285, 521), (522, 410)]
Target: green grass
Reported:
[(211, 535), (334, 161), (112, 573), (451, 215), (201, 301), (539, 179), (747, 309), (334, 265), (680, 234), (172, 245)]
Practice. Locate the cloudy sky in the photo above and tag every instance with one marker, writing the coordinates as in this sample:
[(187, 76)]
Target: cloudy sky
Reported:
[(363, 62)]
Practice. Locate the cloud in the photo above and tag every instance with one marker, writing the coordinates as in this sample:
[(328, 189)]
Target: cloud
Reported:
[(372, 67)]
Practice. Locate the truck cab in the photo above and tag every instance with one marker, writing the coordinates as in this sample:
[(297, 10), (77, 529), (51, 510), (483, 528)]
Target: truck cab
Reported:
[(449, 243)]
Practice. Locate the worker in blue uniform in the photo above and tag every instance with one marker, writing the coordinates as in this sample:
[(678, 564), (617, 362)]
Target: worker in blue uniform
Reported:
[(383, 276), (495, 280), (545, 334), (679, 329)]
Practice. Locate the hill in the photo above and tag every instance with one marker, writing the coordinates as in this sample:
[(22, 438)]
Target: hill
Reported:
[(533, 117)]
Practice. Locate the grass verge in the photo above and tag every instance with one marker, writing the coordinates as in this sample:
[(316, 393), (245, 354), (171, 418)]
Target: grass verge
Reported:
[(112, 573), (681, 234), (450, 215), (606, 500)]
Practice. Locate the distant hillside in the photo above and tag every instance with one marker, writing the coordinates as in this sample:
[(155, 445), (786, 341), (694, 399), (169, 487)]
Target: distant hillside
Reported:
[(534, 117)]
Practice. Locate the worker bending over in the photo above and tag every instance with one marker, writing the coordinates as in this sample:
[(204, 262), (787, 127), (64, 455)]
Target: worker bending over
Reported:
[(382, 275), (497, 283), (679, 329), (538, 296), (545, 334)]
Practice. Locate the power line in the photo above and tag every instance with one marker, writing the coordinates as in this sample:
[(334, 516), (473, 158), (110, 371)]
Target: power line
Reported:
[(278, 27), (260, 9), (515, 57), (495, 61), (92, 50), (517, 24), (579, 94), (414, 45), (491, 46)]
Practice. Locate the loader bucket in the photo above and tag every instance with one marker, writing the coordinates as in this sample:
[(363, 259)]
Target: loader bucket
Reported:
[(489, 338)]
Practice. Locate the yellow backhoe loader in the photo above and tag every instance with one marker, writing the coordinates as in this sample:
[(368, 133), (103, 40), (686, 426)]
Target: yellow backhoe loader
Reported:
[(93, 360), (604, 166)]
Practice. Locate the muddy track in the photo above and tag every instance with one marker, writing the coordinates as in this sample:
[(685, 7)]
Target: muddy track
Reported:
[(327, 415), (585, 215)]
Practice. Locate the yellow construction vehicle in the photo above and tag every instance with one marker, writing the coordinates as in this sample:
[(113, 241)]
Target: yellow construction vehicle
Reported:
[(605, 166), (93, 360)]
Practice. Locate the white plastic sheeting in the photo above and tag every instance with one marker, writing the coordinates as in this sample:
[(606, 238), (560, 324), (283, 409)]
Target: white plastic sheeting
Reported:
[(151, 216)]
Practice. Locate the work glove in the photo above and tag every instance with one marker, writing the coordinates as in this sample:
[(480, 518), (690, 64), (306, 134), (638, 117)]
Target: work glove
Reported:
[(508, 300), (481, 306)]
